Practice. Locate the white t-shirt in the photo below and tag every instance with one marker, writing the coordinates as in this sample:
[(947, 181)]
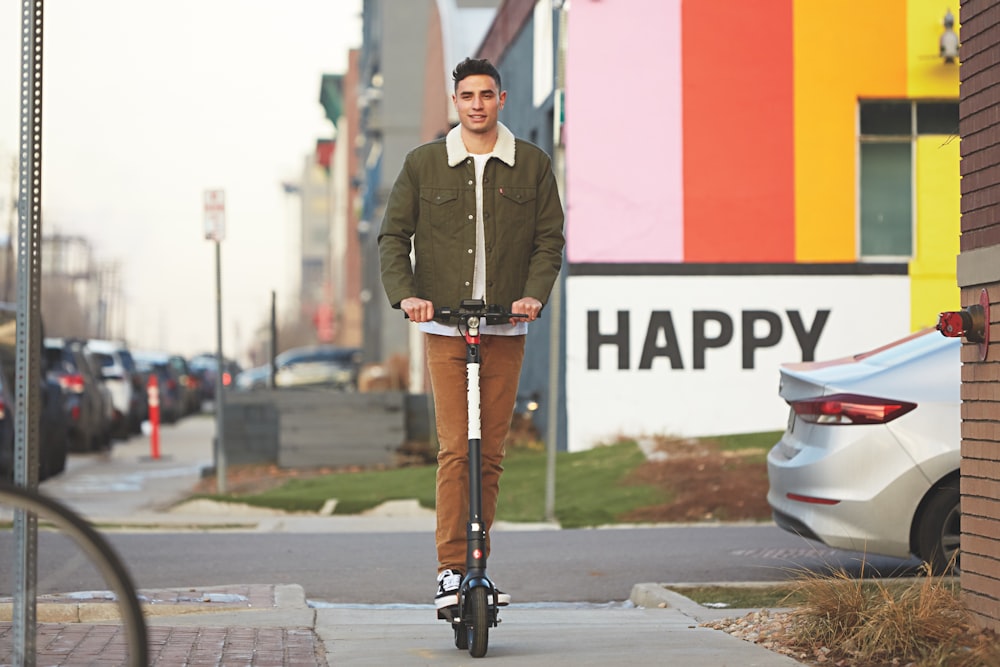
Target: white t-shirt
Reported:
[(479, 273)]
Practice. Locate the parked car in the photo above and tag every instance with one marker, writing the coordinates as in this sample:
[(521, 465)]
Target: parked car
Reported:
[(52, 427), (258, 377), (190, 391), (319, 365), (157, 364), (87, 400), (870, 458), (117, 368), (206, 368), (309, 365)]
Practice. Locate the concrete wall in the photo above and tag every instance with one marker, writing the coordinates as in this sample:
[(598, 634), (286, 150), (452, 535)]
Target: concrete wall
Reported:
[(302, 428)]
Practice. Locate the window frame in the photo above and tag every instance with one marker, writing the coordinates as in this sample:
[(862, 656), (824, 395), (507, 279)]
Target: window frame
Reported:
[(911, 140)]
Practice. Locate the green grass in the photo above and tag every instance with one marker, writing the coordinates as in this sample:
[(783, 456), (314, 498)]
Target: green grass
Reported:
[(760, 442), (355, 492), (764, 440), (591, 487), (795, 594), (743, 597)]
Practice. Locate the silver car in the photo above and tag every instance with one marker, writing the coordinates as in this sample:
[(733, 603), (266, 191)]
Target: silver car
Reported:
[(870, 458)]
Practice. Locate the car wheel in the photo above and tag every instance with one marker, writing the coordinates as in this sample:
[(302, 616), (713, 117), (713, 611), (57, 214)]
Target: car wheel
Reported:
[(940, 528)]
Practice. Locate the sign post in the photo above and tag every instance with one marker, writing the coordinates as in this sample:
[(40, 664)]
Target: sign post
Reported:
[(215, 230)]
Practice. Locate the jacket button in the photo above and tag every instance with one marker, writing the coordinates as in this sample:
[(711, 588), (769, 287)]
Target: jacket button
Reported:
[(466, 283), (471, 217), (470, 182), (470, 251)]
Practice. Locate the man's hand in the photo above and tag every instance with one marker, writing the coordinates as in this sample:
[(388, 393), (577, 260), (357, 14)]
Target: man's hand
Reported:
[(417, 309), (529, 306)]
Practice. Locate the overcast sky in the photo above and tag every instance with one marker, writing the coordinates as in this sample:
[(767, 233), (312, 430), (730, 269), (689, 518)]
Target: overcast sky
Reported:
[(146, 106)]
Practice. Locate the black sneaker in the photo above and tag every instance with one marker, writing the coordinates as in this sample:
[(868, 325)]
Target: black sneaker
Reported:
[(448, 584)]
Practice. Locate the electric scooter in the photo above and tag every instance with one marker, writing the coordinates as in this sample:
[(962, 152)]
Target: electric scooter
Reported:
[(477, 609)]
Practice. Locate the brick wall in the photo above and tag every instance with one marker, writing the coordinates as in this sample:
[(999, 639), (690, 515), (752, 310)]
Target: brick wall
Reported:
[(978, 269)]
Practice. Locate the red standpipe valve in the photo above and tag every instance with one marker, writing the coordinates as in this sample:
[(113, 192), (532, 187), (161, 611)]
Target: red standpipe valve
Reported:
[(971, 322), (956, 324)]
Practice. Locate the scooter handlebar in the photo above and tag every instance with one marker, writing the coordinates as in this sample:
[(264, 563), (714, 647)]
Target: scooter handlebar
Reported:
[(492, 314)]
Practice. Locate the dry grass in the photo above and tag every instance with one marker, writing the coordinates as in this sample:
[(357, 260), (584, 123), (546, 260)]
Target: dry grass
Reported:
[(866, 622)]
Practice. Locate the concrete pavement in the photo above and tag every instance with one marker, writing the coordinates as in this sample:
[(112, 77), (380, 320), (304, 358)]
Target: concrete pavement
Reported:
[(260, 624)]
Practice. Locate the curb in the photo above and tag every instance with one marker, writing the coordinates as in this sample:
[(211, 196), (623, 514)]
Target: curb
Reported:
[(661, 596), (658, 596), (286, 597)]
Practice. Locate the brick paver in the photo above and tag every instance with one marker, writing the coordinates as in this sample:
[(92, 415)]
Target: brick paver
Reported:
[(76, 644)]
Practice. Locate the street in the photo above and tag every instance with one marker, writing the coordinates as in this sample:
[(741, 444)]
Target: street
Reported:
[(351, 566)]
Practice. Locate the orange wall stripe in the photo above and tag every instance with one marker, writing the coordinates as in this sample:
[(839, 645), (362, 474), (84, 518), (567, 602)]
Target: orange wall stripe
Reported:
[(838, 58)]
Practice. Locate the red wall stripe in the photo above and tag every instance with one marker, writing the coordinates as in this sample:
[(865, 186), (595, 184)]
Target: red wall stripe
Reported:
[(738, 131)]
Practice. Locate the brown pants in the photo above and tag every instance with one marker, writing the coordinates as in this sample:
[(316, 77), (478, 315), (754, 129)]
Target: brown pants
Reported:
[(499, 372)]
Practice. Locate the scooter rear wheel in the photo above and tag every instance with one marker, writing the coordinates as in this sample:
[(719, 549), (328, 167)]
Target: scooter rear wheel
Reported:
[(477, 619)]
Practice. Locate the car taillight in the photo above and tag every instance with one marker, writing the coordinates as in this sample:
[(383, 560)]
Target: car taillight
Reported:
[(226, 379), (846, 409), (72, 383), (3, 409)]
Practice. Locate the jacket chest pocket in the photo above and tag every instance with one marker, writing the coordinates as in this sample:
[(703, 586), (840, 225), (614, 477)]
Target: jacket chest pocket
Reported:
[(441, 206), (515, 204)]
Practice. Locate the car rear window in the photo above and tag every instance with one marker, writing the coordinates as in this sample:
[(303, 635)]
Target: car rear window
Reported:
[(103, 360)]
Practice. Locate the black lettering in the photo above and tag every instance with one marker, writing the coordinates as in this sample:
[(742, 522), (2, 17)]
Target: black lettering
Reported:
[(595, 339), (660, 320), (703, 342), (750, 341), (808, 338)]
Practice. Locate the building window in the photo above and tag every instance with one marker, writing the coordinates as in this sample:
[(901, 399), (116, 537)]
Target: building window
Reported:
[(886, 147)]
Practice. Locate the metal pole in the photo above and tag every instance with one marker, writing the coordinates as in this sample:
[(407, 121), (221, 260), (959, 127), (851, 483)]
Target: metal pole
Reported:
[(220, 440), (28, 340), (552, 428), (271, 382), (555, 299)]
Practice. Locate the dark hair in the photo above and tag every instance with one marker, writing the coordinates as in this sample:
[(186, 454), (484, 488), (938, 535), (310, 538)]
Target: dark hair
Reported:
[(470, 67)]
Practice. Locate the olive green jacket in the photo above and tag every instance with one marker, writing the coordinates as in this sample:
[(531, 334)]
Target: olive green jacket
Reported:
[(433, 204)]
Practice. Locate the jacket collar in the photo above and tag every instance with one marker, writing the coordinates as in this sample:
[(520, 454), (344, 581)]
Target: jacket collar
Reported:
[(504, 148)]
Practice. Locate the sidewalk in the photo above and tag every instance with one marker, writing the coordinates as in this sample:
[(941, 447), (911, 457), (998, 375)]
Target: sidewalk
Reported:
[(266, 625), (263, 625)]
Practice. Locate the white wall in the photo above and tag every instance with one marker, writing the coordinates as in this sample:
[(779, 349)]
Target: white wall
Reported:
[(736, 390)]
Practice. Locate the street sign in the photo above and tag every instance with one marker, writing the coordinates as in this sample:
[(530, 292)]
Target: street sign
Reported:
[(215, 215)]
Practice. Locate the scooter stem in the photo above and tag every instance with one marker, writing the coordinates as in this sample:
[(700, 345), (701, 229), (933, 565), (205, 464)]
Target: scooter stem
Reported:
[(476, 530)]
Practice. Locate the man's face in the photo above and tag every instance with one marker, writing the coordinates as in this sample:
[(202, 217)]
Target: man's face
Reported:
[(478, 103)]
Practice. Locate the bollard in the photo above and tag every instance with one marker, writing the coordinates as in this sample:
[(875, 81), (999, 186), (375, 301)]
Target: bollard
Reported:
[(153, 393)]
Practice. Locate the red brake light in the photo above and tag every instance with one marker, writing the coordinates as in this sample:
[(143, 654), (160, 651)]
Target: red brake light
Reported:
[(849, 409), (226, 379), (72, 383)]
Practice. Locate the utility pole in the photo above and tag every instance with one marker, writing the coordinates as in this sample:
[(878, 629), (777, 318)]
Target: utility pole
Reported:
[(215, 231), (555, 299)]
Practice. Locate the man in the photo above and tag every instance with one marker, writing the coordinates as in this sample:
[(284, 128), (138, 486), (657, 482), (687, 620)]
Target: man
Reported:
[(482, 214)]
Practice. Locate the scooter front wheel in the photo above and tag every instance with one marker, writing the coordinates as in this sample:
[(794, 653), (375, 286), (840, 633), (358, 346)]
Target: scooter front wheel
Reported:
[(461, 636), (476, 617)]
